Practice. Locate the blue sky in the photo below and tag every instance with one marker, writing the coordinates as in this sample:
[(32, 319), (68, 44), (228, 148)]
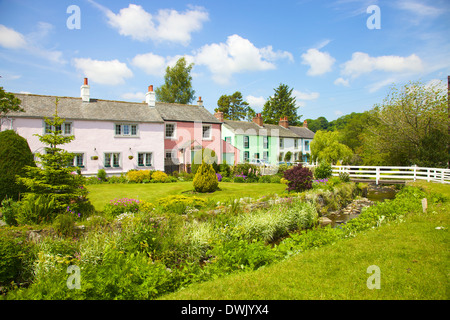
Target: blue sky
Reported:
[(324, 50)]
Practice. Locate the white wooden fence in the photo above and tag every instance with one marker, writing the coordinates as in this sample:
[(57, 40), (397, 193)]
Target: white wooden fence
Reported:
[(378, 173)]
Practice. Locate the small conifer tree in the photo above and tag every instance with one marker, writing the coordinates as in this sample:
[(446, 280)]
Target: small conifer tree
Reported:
[(56, 179), (205, 180)]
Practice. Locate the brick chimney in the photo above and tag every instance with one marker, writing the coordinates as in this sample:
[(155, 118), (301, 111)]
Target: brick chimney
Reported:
[(284, 122), (305, 124), (150, 96), (85, 91), (200, 102), (219, 116), (258, 119)]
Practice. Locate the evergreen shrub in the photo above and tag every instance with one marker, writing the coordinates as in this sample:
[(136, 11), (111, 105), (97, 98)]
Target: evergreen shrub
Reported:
[(205, 179), (15, 155)]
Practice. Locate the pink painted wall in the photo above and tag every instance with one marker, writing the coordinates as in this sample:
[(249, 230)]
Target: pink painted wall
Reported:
[(94, 138), (192, 131)]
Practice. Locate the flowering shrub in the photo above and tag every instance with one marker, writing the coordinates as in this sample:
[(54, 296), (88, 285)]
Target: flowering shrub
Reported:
[(118, 206), (159, 176), (139, 176), (219, 176)]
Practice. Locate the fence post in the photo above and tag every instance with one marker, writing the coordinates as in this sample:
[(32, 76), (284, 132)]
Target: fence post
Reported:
[(442, 176), (377, 175), (428, 175), (415, 168)]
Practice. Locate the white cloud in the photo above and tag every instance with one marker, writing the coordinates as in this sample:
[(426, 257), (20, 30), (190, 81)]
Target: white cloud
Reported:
[(152, 64), (11, 39), (380, 84), (419, 8), (156, 65), (306, 95), (363, 63), (341, 81), (234, 56), (255, 102), (166, 25), (111, 72), (318, 62), (134, 96)]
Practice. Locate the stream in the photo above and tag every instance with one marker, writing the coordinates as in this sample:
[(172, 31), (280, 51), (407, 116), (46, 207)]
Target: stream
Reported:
[(374, 194)]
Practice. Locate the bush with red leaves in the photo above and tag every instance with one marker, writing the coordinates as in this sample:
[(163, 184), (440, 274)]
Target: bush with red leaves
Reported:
[(300, 178)]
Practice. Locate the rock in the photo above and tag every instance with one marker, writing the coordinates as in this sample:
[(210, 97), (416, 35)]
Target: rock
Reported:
[(323, 221), (34, 236)]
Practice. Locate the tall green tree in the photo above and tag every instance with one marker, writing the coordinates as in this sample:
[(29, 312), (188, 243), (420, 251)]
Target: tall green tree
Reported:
[(233, 107), (177, 87), (55, 178), (281, 104), (411, 127)]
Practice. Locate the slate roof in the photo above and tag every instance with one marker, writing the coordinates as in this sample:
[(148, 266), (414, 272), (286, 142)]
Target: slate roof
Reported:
[(252, 129), (38, 106), (302, 132), (184, 112)]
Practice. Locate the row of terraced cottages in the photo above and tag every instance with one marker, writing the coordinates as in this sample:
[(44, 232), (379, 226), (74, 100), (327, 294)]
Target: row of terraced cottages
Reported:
[(118, 136)]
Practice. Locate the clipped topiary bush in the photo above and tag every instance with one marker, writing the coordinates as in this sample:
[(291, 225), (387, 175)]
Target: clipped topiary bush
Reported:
[(205, 179), (15, 154), (299, 178)]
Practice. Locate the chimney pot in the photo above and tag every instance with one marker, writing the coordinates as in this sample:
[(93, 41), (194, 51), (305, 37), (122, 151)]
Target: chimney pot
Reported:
[(150, 96), (284, 122), (200, 102), (258, 119), (85, 91), (219, 116), (305, 124)]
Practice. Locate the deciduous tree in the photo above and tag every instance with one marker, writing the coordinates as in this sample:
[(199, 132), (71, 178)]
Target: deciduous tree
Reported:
[(177, 87)]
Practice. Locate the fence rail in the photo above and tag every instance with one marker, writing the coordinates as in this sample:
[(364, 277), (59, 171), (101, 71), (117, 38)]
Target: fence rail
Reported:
[(384, 173)]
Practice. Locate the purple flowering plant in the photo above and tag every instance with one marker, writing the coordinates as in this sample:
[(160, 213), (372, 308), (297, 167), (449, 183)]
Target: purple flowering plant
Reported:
[(122, 205)]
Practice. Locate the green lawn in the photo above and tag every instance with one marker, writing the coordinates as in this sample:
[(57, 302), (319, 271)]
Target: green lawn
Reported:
[(412, 255), (101, 194)]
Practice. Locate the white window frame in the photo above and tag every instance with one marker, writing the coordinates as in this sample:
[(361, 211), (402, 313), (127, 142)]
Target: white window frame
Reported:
[(209, 137), (48, 129), (296, 143), (281, 143), (83, 159), (266, 155), (174, 133), (122, 127), (112, 156), (144, 160)]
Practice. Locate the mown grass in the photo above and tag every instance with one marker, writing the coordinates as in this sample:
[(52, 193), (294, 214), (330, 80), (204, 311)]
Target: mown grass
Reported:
[(411, 253), (101, 194)]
